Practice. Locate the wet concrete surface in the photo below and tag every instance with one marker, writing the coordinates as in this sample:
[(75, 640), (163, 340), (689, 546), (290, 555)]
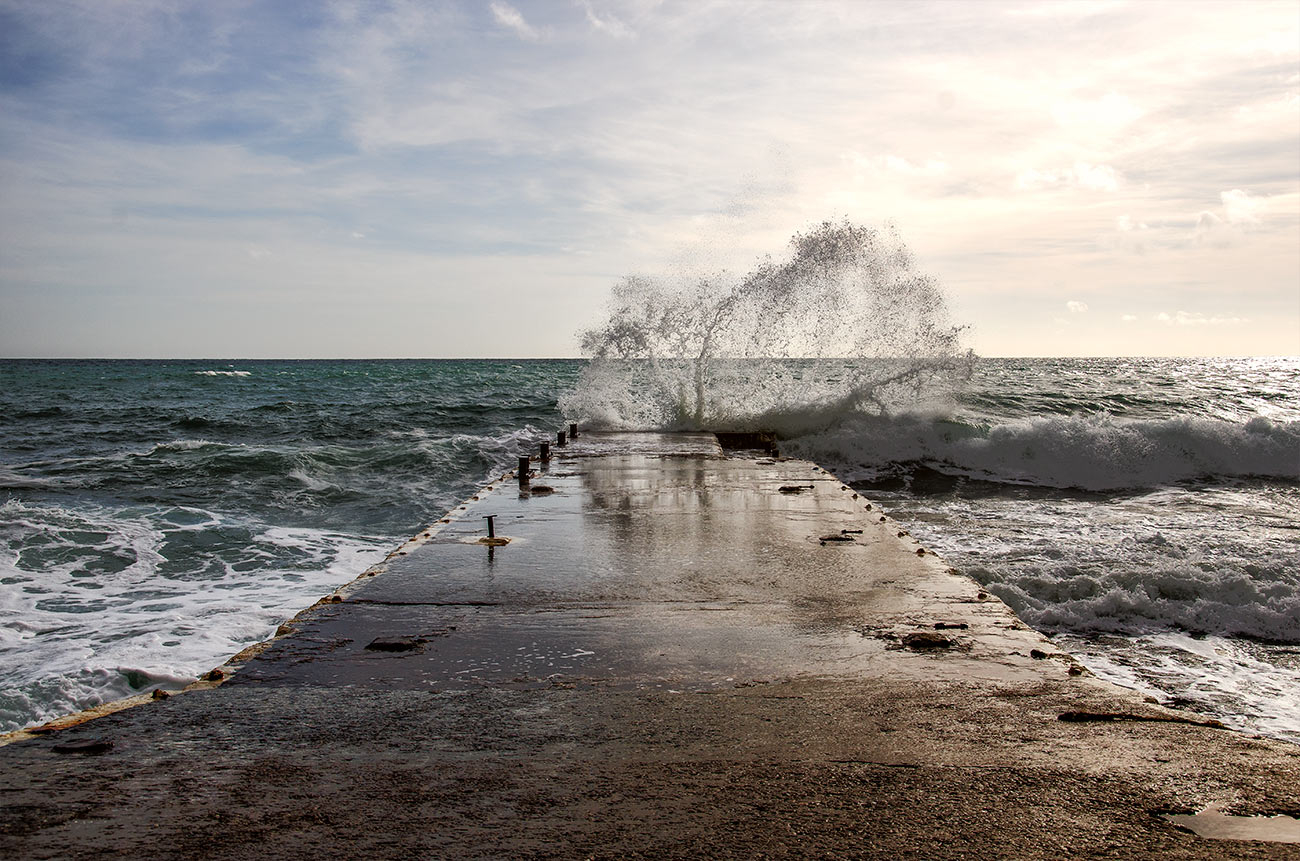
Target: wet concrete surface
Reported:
[(668, 659)]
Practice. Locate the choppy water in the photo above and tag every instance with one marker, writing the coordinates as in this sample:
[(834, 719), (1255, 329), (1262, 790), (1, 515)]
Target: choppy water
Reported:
[(155, 517), (1144, 512)]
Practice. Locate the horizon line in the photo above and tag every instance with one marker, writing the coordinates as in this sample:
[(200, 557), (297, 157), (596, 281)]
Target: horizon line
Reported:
[(586, 358)]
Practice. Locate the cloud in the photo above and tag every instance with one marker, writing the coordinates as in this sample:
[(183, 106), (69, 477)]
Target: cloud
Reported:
[(1076, 307), (1129, 318), (1242, 217), (1240, 208), (898, 164), (1091, 177), (891, 164), (606, 23), (1241, 212), (1278, 43), (1069, 9), (1183, 318), (1212, 230), (1109, 113), (1273, 108), (1130, 235), (1095, 177), (510, 17), (1033, 178)]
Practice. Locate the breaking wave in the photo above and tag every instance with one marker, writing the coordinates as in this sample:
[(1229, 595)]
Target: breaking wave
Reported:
[(844, 323), (1086, 451), (846, 352)]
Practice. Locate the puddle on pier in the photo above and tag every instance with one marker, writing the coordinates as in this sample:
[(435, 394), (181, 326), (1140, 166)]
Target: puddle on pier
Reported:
[(1214, 824)]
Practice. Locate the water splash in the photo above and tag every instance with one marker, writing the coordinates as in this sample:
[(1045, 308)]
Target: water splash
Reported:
[(845, 324)]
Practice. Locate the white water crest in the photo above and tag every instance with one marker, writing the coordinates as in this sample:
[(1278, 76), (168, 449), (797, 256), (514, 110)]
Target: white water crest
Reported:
[(844, 323), (1096, 451)]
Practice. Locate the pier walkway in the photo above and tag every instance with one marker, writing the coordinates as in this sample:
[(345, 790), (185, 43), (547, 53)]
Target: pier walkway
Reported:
[(679, 653)]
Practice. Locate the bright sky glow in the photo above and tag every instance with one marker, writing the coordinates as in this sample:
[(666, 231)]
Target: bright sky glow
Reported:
[(263, 178)]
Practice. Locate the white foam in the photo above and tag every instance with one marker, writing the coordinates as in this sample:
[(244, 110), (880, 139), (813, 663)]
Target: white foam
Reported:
[(1219, 560), (1092, 452), (311, 482), (223, 373), (184, 445), (92, 610), (1125, 581), (1247, 686)]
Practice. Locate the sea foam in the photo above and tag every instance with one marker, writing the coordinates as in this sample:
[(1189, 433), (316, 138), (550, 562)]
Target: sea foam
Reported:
[(1090, 452), (103, 603)]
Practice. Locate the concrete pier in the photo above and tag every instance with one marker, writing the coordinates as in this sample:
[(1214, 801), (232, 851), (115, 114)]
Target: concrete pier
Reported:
[(677, 653)]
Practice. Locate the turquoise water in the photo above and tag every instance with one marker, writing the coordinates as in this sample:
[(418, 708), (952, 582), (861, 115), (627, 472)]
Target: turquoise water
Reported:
[(155, 517)]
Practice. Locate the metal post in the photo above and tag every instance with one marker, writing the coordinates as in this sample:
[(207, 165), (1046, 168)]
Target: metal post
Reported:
[(492, 528), (546, 452), (524, 463), (559, 439), (573, 430)]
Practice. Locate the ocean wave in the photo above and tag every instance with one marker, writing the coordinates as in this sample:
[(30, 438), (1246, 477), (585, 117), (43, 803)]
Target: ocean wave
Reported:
[(41, 413), (1181, 596), (223, 373), (313, 483), (1085, 451), (11, 479), (55, 695), (185, 445), (1206, 559), (103, 601)]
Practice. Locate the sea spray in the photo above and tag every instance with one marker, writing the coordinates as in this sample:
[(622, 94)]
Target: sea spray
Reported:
[(845, 323)]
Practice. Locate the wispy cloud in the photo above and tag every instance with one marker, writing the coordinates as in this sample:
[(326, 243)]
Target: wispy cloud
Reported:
[(606, 22), (511, 18), (1183, 318), (1092, 177)]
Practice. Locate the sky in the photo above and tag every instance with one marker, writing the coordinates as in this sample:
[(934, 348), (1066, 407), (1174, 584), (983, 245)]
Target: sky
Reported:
[(257, 178)]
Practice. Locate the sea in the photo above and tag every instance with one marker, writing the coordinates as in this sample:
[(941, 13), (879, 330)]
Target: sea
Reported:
[(158, 516)]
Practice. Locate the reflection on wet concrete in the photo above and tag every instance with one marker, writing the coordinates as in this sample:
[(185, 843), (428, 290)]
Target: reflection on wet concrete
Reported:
[(684, 570)]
